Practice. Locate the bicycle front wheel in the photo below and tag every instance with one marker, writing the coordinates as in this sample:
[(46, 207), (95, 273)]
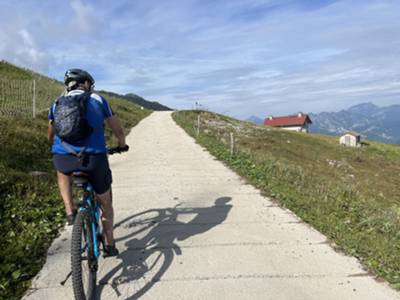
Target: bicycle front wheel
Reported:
[(83, 260)]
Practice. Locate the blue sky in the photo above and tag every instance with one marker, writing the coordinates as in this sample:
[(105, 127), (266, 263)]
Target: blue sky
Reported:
[(241, 58)]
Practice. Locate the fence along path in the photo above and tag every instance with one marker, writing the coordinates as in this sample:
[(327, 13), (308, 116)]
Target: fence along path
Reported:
[(26, 97)]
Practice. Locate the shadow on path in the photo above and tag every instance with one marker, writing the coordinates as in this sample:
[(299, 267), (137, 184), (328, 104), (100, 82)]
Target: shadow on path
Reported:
[(146, 259)]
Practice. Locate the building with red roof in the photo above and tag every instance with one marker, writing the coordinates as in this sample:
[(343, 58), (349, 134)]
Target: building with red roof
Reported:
[(299, 122)]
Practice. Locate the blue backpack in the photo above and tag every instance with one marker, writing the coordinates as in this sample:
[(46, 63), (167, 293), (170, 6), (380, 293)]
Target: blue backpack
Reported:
[(70, 122)]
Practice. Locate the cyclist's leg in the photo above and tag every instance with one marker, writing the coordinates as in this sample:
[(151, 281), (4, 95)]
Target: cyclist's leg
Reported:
[(64, 184), (107, 217), (101, 178), (64, 165)]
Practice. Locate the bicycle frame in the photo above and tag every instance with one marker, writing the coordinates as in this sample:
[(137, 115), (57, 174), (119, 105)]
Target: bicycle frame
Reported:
[(91, 205), (87, 236)]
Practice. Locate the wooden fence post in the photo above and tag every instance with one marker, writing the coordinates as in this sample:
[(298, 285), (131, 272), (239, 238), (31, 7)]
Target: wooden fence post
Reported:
[(37, 176), (232, 143), (198, 125), (34, 99)]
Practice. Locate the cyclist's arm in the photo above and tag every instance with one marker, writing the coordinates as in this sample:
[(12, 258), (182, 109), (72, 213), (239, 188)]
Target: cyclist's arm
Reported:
[(116, 128), (50, 129), (50, 132)]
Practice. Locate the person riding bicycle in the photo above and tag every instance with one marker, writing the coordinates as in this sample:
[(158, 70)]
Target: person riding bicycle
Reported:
[(88, 155)]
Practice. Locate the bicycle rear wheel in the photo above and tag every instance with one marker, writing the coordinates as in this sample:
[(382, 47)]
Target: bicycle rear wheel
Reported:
[(83, 260)]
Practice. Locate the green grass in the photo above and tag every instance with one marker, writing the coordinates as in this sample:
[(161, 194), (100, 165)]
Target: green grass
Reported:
[(31, 210), (349, 194)]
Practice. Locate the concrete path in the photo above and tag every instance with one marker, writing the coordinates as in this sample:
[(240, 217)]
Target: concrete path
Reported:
[(189, 228)]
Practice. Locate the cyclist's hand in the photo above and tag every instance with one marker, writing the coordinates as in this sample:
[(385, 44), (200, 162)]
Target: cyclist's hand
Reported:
[(123, 148), (118, 149)]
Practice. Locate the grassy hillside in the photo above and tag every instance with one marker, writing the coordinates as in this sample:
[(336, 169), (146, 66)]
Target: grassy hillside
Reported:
[(16, 90), (350, 194), (31, 211)]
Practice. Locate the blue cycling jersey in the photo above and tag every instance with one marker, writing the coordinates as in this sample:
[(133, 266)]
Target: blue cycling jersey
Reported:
[(97, 110)]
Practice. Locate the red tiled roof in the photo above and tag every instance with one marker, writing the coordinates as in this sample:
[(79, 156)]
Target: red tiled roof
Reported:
[(297, 120)]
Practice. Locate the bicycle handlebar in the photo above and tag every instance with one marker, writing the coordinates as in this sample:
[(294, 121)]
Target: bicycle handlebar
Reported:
[(117, 149)]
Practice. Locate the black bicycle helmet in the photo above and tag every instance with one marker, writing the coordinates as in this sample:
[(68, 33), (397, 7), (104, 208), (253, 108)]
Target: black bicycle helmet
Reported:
[(77, 75)]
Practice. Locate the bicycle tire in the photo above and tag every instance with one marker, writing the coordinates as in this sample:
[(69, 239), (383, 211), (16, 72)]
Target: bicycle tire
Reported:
[(83, 261)]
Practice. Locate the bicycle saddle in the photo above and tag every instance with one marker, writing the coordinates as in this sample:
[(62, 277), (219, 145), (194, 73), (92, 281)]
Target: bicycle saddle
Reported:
[(79, 178)]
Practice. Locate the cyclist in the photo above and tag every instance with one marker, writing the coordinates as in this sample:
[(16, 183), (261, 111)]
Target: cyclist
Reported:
[(91, 156)]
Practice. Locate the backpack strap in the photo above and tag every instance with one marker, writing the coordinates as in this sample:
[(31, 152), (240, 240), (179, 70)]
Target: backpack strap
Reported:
[(79, 154)]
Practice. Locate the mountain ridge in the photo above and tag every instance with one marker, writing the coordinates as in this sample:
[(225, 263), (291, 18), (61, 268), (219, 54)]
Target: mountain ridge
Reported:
[(256, 120), (371, 121), (153, 105)]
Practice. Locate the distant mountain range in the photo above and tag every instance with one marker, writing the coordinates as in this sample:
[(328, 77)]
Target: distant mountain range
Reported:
[(255, 120), (152, 105), (371, 121)]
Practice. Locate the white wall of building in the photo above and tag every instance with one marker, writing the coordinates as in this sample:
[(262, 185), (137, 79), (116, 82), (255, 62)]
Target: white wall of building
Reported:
[(297, 128), (348, 140)]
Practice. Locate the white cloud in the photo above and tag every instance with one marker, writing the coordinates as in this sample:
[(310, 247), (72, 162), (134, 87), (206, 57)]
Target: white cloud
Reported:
[(20, 48), (87, 20), (26, 37)]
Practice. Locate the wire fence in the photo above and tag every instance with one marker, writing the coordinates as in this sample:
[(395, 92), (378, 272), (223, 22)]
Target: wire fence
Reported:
[(27, 97)]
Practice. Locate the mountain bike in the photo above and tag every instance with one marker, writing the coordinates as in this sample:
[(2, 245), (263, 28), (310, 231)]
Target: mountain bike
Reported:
[(86, 238)]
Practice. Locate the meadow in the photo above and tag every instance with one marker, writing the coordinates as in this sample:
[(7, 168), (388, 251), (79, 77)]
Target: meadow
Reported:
[(351, 195)]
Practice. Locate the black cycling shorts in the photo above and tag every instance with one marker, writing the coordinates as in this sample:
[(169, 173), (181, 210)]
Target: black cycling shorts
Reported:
[(96, 165)]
